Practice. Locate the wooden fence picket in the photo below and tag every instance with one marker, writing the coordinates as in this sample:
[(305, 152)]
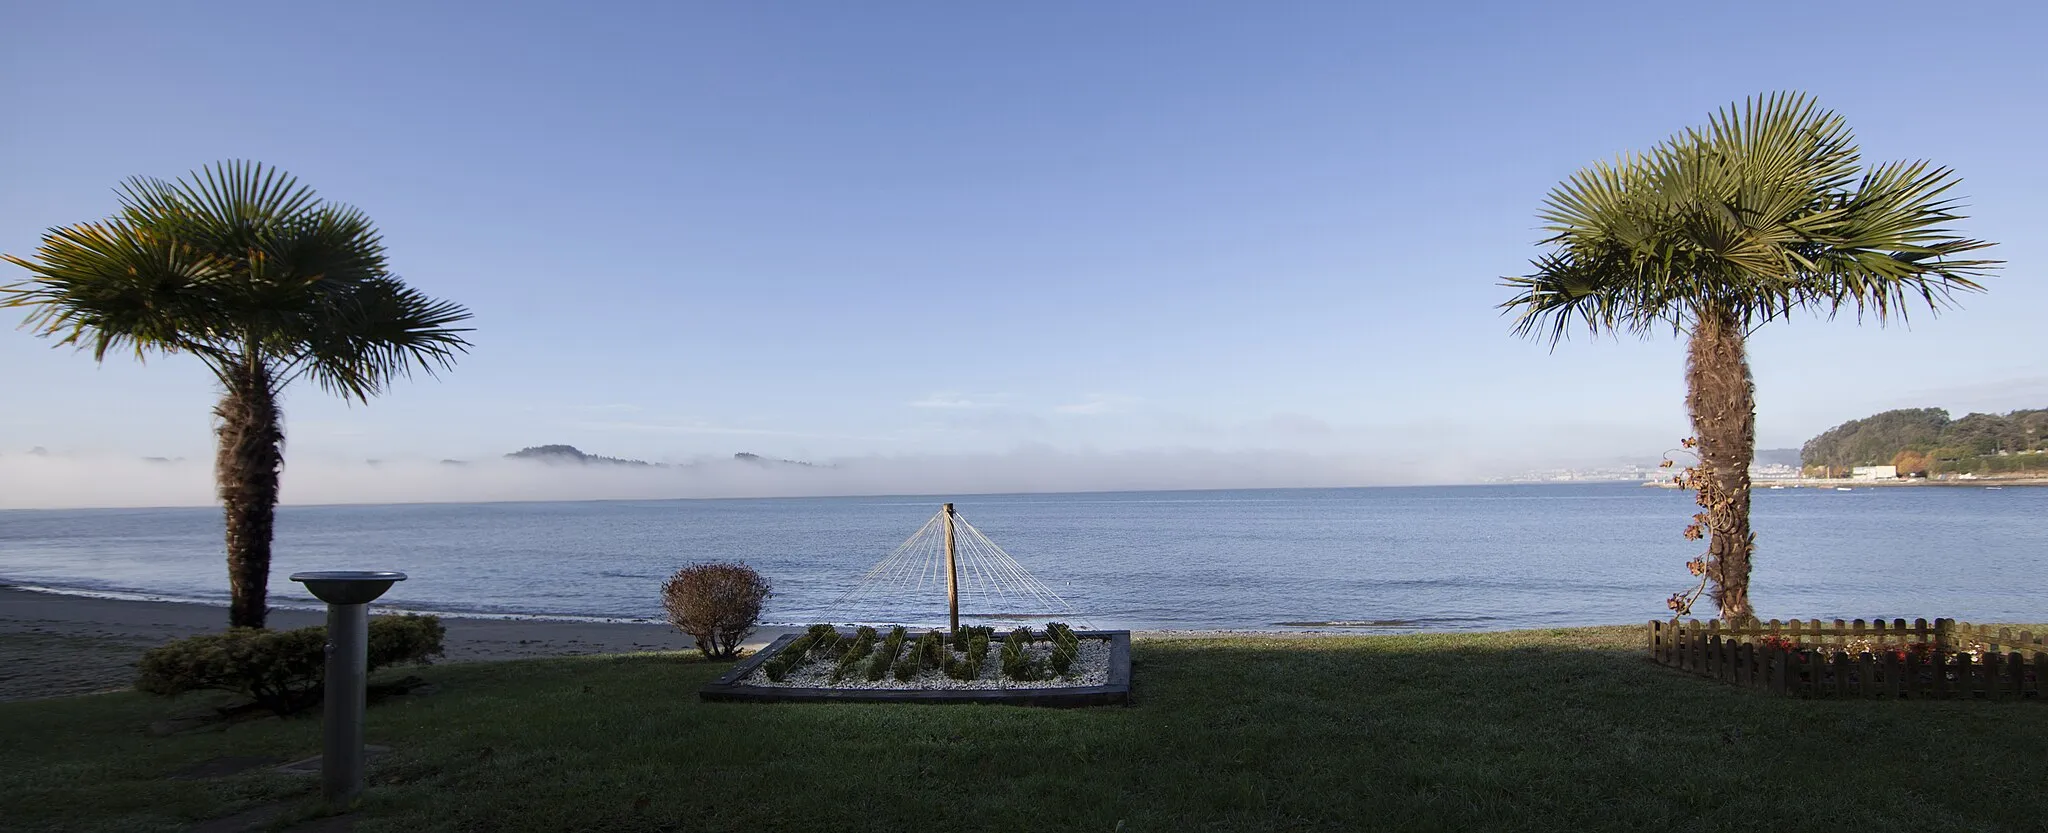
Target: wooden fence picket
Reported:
[(1699, 648), (1866, 658)]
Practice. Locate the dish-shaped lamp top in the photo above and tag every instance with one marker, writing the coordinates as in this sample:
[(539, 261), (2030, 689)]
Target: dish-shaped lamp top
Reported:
[(348, 587)]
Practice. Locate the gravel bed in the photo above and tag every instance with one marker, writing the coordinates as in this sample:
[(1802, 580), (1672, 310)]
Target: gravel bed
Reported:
[(1090, 668)]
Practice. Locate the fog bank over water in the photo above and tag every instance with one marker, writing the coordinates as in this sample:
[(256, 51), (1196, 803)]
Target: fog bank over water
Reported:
[(52, 481)]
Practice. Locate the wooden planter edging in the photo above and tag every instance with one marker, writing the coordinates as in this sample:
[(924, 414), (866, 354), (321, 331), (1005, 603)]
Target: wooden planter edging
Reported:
[(1115, 692), (1821, 666)]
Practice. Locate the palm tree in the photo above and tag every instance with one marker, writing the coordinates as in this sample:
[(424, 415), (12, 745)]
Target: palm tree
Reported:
[(266, 284), (1763, 212)]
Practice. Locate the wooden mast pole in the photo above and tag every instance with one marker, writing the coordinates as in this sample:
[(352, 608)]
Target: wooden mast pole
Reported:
[(952, 575)]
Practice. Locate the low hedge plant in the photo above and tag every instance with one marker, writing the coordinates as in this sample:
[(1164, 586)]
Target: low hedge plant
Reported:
[(283, 671), (931, 651), (863, 641), (879, 663), (1016, 661), (791, 656), (1065, 646)]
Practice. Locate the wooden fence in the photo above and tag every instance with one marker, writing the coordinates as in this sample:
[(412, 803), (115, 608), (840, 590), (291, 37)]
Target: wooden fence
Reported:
[(1959, 660), (1857, 635)]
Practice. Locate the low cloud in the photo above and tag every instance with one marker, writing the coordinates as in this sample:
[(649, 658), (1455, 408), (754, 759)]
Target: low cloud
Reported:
[(61, 481)]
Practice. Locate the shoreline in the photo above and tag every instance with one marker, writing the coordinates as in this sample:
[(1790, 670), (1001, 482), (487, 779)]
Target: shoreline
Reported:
[(56, 643), (317, 610), (1892, 483)]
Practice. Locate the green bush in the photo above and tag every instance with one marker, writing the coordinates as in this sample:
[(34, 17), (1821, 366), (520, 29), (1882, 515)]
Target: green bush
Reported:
[(977, 645), (1065, 646), (825, 643), (879, 664), (960, 637), (962, 667), (857, 649), (1017, 664), (907, 665), (790, 656), (972, 643), (282, 671), (396, 640), (931, 651)]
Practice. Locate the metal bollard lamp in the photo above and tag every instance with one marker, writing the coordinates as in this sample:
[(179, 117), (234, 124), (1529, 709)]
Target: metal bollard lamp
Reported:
[(348, 594)]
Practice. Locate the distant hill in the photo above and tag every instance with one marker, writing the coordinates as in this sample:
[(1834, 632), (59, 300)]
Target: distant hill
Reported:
[(1926, 439), (570, 454), (756, 459)]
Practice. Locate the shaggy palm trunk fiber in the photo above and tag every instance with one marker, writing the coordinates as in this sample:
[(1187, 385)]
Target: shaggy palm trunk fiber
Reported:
[(247, 466), (1722, 398)]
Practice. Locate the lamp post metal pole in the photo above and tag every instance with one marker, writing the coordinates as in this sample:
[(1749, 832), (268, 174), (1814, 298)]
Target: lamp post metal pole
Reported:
[(348, 659), (344, 689)]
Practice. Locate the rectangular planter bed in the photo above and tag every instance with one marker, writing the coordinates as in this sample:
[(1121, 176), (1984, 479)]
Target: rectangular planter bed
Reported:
[(1114, 692)]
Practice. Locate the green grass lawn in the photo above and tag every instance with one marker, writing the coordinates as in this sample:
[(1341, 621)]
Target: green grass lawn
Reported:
[(1535, 730)]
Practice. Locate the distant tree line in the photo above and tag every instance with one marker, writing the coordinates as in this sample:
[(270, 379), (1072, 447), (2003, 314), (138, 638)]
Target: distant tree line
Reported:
[(1926, 441)]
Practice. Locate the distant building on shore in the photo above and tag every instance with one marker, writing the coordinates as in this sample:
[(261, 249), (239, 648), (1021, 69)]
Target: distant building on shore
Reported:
[(1773, 471), (1874, 473)]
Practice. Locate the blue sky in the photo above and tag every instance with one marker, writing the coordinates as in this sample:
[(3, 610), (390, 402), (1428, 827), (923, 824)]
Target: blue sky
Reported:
[(843, 230)]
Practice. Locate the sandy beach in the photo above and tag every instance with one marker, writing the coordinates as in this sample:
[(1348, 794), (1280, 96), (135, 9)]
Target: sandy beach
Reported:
[(54, 644)]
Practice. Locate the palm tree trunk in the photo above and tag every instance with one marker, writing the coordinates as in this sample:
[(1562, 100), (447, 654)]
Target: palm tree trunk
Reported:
[(1722, 399), (246, 468)]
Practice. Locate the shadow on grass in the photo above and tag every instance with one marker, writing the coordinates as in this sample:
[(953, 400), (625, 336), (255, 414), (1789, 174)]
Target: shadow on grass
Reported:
[(1564, 730)]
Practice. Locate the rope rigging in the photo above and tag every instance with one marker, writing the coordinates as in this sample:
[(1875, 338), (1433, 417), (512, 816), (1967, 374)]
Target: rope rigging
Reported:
[(982, 570)]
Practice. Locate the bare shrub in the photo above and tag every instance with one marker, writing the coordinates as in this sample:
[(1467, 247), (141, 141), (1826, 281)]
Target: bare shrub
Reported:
[(716, 603)]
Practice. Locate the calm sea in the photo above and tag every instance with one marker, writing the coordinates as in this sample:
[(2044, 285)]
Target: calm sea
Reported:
[(1429, 558)]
